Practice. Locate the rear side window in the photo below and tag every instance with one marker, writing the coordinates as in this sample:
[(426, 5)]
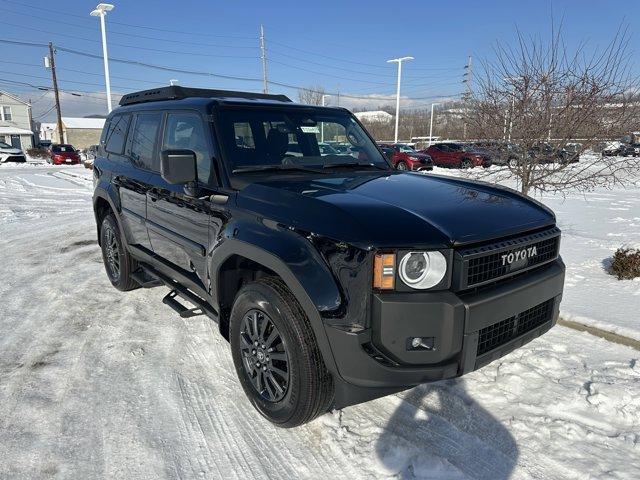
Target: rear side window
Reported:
[(186, 131), (244, 135), (117, 134), (143, 140)]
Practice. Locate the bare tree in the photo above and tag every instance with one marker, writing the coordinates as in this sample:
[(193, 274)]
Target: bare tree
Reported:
[(311, 95), (547, 99)]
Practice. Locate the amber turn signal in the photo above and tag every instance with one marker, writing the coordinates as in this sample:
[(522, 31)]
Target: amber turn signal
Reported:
[(384, 271)]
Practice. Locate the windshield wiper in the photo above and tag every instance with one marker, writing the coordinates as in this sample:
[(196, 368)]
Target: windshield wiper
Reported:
[(353, 164), (276, 168)]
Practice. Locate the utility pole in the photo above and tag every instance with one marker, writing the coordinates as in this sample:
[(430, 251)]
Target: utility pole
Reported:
[(468, 76), (263, 56), (52, 64), (399, 62)]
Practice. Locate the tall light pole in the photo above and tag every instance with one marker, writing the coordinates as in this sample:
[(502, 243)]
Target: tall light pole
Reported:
[(399, 62), (322, 123), (101, 11), (431, 124)]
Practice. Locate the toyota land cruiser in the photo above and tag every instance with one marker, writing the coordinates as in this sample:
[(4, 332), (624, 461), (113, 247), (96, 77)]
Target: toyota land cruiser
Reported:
[(335, 278)]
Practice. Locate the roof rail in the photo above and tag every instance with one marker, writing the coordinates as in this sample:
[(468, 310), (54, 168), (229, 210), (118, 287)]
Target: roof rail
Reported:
[(176, 92)]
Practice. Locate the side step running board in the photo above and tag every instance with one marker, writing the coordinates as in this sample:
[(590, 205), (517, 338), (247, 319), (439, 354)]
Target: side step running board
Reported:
[(183, 311), (201, 306)]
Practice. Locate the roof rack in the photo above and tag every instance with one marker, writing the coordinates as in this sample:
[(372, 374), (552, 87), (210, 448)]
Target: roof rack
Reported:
[(176, 92)]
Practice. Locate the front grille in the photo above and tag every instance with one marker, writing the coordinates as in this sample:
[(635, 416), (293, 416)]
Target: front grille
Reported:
[(16, 158), (499, 333), (487, 263)]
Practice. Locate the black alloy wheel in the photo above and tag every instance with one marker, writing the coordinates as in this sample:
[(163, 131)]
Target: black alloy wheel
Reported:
[(265, 357)]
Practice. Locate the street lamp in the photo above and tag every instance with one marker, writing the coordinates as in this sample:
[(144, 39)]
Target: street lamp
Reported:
[(399, 62), (100, 11), (513, 81), (322, 123), (431, 124)]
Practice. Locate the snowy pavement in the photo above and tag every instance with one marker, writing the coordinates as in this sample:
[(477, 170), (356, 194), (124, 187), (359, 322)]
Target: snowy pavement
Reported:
[(95, 383)]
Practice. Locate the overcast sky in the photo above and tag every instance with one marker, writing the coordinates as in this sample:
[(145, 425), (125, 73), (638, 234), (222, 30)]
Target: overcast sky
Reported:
[(341, 46)]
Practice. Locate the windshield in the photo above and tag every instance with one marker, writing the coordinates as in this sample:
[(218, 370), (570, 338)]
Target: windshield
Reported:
[(291, 140), (406, 148)]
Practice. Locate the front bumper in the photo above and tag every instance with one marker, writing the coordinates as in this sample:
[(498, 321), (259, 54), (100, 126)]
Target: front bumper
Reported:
[(379, 357)]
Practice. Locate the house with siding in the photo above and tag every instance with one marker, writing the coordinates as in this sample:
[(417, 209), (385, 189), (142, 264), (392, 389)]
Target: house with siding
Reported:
[(15, 121), (79, 132)]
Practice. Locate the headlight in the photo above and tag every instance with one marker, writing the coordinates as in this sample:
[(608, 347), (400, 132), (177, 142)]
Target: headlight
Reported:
[(422, 270)]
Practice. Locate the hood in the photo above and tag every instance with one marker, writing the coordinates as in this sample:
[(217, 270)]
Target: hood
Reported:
[(395, 209), (11, 151)]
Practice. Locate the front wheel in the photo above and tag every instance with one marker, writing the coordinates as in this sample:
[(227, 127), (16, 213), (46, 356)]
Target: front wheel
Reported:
[(276, 355), (402, 166), (465, 163)]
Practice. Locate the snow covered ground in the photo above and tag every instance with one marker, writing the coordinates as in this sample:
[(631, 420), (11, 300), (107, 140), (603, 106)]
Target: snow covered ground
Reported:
[(99, 384)]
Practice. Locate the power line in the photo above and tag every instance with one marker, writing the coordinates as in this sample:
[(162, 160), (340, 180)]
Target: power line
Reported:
[(84, 72), (159, 67), (133, 35), (328, 74), (132, 25), (203, 73), (135, 47), (64, 80), (75, 93)]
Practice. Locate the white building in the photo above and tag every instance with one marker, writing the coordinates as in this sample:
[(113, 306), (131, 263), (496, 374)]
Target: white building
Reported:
[(378, 116), (79, 132)]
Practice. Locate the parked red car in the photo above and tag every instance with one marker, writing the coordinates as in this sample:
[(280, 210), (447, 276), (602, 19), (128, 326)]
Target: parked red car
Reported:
[(64, 154), (457, 155), (403, 157)]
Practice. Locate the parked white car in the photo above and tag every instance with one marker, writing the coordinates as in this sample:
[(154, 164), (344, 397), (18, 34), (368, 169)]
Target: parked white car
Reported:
[(11, 154)]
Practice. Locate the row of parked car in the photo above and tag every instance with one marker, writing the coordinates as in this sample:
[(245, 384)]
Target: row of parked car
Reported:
[(476, 154), (618, 149)]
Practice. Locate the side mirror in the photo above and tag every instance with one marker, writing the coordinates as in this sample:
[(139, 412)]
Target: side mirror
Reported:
[(178, 166)]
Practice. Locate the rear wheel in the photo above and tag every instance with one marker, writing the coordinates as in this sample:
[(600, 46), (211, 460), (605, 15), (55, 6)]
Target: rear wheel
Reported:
[(276, 355), (513, 163), (117, 261), (401, 166)]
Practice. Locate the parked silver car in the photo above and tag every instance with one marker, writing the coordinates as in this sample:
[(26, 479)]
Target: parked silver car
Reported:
[(11, 154)]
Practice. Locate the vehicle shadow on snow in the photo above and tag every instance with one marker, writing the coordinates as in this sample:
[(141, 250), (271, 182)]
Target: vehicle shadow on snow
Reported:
[(439, 431)]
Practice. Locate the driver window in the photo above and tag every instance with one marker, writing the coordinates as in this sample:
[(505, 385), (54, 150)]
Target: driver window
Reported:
[(185, 131)]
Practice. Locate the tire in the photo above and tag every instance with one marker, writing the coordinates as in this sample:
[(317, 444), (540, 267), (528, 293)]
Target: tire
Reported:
[(305, 385), (117, 262), (402, 166), (513, 163), (465, 163)]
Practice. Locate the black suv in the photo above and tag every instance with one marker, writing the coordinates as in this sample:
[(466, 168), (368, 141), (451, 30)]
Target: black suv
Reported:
[(335, 278)]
